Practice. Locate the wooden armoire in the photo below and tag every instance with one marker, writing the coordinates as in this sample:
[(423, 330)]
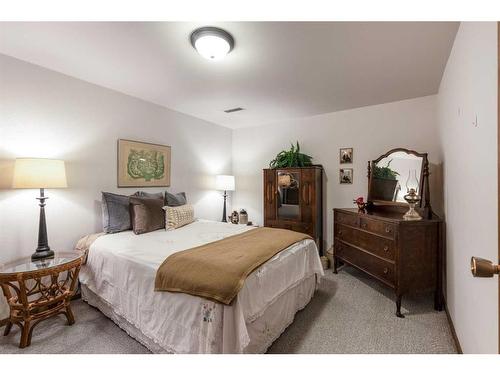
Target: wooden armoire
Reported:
[(293, 199)]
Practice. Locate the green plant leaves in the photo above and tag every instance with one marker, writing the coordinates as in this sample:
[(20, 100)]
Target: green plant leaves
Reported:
[(291, 158), (385, 172)]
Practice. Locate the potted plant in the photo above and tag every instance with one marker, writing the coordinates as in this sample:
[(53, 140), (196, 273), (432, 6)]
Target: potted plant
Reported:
[(384, 182), (291, 159)]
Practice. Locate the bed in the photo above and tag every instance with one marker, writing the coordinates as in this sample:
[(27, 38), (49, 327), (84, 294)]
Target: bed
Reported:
[(119, 275)]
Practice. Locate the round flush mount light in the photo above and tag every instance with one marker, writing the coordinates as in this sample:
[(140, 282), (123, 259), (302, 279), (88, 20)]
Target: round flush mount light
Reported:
[(211, 42)]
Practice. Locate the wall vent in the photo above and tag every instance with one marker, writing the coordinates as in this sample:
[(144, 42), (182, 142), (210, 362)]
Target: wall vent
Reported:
[(231, 110)]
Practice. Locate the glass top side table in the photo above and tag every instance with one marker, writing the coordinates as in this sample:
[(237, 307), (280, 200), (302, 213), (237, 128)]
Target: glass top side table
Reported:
[(39, 290)]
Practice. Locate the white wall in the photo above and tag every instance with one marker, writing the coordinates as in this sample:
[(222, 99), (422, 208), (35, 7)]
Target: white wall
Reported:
[(47, 114), (469, 152), (371, 131)]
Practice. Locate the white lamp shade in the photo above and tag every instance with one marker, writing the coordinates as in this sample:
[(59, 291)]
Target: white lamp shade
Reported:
[(39, 173), (224, 182)]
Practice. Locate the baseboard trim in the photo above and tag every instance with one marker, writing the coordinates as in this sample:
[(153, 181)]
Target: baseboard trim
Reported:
[(453, 332)]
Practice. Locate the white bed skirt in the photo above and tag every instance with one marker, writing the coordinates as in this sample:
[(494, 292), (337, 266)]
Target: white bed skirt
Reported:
[(121, 270), (262, 331)]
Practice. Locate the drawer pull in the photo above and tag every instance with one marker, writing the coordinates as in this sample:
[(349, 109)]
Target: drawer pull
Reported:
[(339, 232), (387, 229), (386, 271), (386, 248), (363, 225)]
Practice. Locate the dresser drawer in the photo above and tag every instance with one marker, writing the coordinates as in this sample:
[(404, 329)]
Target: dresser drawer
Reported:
[(383, 247), (377, 267), (378, 226), (347, 219)]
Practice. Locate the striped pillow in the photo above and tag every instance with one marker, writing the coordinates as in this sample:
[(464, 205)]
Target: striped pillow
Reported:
[(176, 217)]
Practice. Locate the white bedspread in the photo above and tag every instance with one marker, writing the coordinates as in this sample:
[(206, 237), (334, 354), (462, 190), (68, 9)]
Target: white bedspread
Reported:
[(121, 270)]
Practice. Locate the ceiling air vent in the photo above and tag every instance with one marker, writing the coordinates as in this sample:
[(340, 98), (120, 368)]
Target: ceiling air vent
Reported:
[(231, 110)]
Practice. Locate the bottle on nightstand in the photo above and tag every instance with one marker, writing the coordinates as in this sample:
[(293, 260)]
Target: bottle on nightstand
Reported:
[(235, 218), (243, 217)]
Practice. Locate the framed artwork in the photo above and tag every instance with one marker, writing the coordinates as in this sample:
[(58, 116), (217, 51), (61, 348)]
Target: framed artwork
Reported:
[(345, 155), (143, 164), (345, 175)]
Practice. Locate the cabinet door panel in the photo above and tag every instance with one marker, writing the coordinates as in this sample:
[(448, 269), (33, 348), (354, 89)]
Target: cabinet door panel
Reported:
[(269, 195), (288, 190), (307, 195)]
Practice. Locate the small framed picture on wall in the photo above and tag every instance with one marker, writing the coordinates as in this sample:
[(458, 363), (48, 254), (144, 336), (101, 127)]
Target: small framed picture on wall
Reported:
[(345, 175), (345, 155)]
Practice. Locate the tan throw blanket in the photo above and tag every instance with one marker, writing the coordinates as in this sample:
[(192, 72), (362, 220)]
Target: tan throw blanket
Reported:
[(83, 244), (218, 269)]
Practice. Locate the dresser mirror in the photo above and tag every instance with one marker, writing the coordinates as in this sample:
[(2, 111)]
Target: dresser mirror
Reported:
[(288, 195), (393, 174)]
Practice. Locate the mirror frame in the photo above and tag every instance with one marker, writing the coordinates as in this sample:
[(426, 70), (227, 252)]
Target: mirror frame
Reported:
[(424, 182)]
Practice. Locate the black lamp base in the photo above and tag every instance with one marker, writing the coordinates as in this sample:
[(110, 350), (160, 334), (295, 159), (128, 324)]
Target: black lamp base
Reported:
[(42, 254), (43, 249), (224, 217)]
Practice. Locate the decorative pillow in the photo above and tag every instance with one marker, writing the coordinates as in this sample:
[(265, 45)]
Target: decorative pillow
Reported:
[(115, 213), (148, 195), (179, 216), (174, 200), (146, 214)]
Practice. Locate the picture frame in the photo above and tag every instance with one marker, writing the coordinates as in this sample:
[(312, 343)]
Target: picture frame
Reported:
[(142, 164), (346, 175), (346, 155)]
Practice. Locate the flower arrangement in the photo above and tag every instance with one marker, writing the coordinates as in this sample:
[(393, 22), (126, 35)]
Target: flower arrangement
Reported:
[(360, 203)]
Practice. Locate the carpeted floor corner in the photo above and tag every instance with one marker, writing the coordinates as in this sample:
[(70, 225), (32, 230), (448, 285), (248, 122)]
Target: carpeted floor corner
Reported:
[(350, 313)]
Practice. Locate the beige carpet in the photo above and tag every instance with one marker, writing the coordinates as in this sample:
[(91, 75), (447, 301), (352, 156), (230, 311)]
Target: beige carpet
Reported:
[(350, 313)]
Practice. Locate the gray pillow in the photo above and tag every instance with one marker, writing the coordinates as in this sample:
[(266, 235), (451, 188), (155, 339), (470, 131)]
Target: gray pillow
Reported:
[(174, 200), (145, 194), (115, 213)]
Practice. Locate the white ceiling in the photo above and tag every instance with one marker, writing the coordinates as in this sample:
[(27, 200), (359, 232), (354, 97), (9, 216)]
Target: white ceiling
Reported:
[(277, 70)]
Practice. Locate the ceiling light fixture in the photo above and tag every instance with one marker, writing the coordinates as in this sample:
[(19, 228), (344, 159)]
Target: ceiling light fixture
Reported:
[(211, 42)]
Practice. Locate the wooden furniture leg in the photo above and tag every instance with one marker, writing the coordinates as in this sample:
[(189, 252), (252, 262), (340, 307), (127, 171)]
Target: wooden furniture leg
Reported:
[(25, 334), (438, 300), (7, 328), (398, 306), (69, 315)]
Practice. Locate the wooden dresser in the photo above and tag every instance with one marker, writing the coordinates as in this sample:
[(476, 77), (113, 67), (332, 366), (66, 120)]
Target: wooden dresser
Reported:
[(293, 199), (403, 255)]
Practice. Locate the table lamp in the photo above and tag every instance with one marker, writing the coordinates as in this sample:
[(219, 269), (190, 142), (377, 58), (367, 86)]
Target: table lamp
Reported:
[(225, 183), (40, 174)]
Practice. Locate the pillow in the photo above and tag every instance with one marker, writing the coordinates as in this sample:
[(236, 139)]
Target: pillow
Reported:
[(146, 214), (148, 195), (115, 213), (176, 217), (174, 200)]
